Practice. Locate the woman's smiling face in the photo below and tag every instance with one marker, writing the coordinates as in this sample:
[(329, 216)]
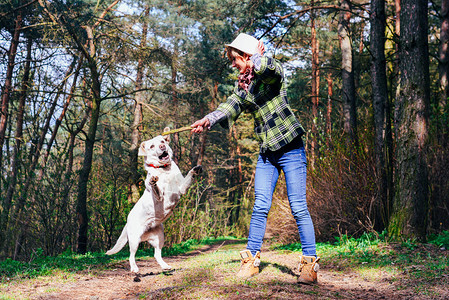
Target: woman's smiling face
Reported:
[(239, 62), (239, 59)]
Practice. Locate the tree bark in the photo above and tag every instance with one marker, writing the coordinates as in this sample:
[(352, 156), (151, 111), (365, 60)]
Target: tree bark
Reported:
[(330, 92), (410, 218), (81, 207), (7, 87), (174, 93), (135, 135), (348, 84), (18, 138), (315, 87), (381, 209), (443, 56)]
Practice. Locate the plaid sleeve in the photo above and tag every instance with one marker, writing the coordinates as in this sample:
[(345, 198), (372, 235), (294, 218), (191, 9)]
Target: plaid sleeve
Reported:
[(232, 109), (256, 59), (269, 69), (215, 117)]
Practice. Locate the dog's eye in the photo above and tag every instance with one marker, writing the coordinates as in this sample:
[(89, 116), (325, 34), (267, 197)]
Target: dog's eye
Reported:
[(152, 146)]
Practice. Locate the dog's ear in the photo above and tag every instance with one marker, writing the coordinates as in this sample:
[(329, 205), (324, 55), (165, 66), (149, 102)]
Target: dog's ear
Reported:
[(142, 151), (167, 137)]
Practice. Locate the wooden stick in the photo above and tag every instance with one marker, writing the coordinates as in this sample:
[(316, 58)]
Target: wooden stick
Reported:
[(177, 130)]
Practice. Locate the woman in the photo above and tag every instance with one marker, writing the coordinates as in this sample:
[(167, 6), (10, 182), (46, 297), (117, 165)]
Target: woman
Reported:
[(262, 91)]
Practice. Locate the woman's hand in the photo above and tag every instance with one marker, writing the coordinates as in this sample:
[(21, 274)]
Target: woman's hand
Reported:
[(200, 125), (260, 48)]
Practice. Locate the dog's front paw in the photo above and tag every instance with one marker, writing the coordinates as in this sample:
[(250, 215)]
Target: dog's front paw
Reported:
[(197, 170), (153, 180)]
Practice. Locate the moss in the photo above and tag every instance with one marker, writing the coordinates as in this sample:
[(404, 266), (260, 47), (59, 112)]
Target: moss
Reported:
[(397, 224)]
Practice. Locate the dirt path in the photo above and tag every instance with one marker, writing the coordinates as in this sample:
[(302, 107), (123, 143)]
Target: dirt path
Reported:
[(209, 273)]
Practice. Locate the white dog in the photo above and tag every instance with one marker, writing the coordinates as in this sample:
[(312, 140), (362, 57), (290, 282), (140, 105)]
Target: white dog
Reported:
[(164, 185)]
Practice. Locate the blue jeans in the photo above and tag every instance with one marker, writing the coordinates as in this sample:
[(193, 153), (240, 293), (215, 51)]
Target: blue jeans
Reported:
[(292, 160)]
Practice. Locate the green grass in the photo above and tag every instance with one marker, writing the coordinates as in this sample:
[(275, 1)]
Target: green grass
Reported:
[(68, 261), (370, 252), (367, 255)]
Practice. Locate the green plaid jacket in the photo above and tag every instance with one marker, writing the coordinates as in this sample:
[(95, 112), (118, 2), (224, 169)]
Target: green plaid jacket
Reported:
[(274, 122)]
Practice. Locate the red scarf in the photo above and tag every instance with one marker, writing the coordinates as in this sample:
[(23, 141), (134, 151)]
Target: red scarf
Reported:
[(246, 78)]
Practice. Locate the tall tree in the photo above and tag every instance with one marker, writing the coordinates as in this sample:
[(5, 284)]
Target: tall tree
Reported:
[(6, 205), (330, 93), (443, 55), (315, 86), (137, 115), (379, 98), (7, 87), (347, 73), (411, 124)]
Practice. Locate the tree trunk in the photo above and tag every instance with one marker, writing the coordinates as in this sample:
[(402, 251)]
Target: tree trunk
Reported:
[(18, 142), (330, 93), (174, 72), (315, 87), (135, 136), (81, 207), (348, 84), (7, 87), (410, 218), (397, 24), (380, 97), (443, 56), (19, 122)]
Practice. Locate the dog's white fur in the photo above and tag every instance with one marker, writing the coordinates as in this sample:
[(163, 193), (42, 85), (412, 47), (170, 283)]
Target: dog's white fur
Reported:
[(164, 185)]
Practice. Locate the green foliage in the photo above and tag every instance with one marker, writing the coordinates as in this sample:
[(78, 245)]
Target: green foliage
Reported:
[(409, 244), (441, 240)]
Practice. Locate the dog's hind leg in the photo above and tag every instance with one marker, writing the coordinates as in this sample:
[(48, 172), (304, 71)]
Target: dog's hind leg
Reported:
[(133, 245), (156, 239)]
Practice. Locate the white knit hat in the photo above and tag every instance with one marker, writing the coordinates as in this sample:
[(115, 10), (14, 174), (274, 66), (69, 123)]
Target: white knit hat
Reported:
[(245, 43)]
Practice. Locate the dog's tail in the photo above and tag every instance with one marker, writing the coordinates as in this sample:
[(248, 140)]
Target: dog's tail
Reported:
[(121, 242)]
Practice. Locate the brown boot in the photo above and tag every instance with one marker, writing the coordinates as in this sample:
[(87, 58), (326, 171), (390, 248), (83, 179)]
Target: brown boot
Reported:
[(250, 265), (308, 268)]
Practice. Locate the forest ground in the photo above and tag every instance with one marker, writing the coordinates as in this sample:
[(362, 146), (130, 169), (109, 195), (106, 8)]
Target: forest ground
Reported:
[(209, 273)]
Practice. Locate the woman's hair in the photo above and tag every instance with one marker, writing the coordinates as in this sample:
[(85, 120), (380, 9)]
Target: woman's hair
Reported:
[(231, 53)]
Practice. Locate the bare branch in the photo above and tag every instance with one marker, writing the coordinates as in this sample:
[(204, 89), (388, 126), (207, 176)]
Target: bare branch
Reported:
[(105, 12)]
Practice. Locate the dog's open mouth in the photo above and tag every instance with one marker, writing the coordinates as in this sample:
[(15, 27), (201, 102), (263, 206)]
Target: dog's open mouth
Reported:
[(164, 156)]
